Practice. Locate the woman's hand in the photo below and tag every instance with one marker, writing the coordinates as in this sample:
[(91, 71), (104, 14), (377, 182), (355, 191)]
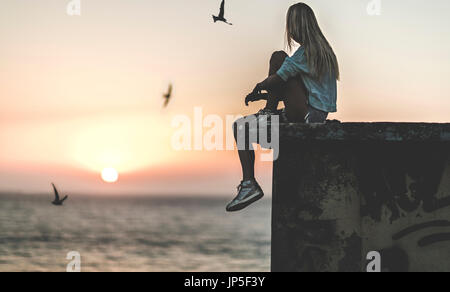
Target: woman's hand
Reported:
[(255, 95), (271, 82), (258, 88)]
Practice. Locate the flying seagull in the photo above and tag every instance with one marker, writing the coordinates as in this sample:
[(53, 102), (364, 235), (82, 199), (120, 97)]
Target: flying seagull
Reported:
[(221, 14), (58, 201), (168, 95)]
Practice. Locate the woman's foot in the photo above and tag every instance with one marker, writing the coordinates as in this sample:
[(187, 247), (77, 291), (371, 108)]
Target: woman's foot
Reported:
[(249, 192)]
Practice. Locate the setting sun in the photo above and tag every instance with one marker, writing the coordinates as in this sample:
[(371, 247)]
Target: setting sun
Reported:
[(110, 175)]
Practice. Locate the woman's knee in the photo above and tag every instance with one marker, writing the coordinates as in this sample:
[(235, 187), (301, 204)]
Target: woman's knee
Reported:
[(277, 59)]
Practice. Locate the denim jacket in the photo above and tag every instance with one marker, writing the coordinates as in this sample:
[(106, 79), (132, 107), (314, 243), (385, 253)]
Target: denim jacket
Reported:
[(322, 94)]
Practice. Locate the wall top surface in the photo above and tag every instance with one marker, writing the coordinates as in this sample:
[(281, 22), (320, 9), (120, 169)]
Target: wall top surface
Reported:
[(390, 132)]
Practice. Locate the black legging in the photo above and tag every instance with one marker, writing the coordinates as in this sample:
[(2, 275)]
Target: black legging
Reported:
[(292, 93)]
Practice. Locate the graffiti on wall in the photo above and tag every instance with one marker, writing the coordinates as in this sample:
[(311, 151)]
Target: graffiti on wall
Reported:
[(406, 183)]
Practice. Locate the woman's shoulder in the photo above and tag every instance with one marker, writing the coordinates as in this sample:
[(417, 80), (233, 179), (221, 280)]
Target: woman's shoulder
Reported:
[(300, 52), (299, 55)]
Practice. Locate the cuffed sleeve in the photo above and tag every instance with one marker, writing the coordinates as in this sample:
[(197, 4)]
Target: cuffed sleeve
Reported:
[(294, 65)]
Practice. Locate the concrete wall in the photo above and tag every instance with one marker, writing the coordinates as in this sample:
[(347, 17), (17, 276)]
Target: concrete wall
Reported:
[(342, 190)]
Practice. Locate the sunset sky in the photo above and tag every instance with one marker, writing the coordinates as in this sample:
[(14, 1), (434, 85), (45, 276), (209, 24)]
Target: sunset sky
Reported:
[(82, 93)]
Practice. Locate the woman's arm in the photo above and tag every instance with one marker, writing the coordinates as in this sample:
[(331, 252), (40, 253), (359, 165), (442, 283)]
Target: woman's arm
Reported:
[(271, 82)]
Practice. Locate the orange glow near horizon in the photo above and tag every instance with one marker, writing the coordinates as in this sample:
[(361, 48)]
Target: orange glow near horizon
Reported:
[(126, 144)]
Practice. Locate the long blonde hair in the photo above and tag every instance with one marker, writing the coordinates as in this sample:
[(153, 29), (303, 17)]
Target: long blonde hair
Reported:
[(303, 28)]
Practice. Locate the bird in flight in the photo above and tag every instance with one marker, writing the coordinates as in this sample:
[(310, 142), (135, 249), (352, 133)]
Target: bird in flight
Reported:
[(168, 95), (221, 15), (58, 201)]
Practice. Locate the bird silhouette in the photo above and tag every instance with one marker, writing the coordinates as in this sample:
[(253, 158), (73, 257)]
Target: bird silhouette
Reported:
[(168, 95), (221, 15), (58, 201)]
